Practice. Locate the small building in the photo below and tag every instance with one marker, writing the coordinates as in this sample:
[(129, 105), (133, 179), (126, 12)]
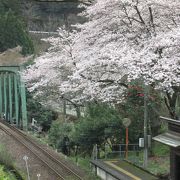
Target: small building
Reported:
[(172, 139)]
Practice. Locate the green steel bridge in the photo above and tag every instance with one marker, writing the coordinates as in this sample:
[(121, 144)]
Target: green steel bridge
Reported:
[(13, 96)]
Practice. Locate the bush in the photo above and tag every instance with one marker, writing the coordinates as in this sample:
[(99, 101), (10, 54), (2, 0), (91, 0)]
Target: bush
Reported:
[(43, 116), (101, 122), (160, 149), (5, 158), (59, 134)]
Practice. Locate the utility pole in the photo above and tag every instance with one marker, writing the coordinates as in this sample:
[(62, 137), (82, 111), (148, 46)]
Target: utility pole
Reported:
[(126, 122), (145, 126)]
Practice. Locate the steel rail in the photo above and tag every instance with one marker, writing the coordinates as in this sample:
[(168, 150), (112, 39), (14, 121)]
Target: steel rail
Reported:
[(19, 140), (45, 152)]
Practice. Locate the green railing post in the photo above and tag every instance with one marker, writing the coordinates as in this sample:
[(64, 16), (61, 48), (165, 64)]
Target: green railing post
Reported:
[(0, 95), (16, 100), (13, 96), (23, 104), (5, 97), (10, 98)]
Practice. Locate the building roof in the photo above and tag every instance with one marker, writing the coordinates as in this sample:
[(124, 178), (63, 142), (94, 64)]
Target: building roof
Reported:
[(169, 138)]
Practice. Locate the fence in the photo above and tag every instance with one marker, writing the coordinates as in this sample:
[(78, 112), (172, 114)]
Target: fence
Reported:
[(118, 151)]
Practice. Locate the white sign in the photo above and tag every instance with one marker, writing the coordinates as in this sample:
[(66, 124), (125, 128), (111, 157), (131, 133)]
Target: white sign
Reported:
[(126, 122)]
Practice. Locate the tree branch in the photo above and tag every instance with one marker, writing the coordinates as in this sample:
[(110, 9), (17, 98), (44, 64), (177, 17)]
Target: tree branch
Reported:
[(125, 10), (74, 104), (110, 81), (171, 103), (151, 18), (139, 14)]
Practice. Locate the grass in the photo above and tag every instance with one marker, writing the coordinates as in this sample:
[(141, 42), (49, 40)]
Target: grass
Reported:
[(160, 149), (159, 165), (84, 163), (5, 158), (37, 137), (7, 168), (4, 175)]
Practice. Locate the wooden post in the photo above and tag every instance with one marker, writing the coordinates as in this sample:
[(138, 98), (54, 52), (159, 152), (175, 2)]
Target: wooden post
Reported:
[(126, 122)]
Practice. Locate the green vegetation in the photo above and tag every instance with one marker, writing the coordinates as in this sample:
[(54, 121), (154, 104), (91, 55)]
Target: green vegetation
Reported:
[(159, 149), (133, 108), (4, 175), (12, 30), (7, 169), (5, 158), (43, 116), (159, 163), (100, 123), (84, 163), (6, 5), (58, 132)]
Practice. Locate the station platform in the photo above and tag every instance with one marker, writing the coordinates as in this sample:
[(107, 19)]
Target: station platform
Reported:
[(120, 170)]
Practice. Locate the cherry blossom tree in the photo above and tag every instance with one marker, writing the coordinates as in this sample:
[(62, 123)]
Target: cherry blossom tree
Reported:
[(158, 63), (50, 69), (121, 40)]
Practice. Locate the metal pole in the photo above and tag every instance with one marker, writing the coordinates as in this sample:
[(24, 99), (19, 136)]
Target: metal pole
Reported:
[(25, 159), (96, 152), (23, 106), (10, 99), (126, 142), (5, 97), (120, 151), (38, 175), (64, 110), (145, 127), (16, 100)]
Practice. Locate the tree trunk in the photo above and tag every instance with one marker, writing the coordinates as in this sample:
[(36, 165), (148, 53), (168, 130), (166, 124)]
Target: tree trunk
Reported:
[(170, 101)]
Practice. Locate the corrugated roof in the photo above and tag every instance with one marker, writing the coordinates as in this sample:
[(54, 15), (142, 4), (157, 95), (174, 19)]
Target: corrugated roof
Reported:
[(169, 138)]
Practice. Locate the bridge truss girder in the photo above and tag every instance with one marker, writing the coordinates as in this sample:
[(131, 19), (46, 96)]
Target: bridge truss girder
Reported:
[(13, 96)]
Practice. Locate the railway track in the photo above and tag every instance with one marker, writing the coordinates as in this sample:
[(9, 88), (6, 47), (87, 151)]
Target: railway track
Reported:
[(58, 167)]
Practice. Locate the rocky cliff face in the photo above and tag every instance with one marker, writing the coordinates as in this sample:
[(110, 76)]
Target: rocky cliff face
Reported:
[(48, 16)]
